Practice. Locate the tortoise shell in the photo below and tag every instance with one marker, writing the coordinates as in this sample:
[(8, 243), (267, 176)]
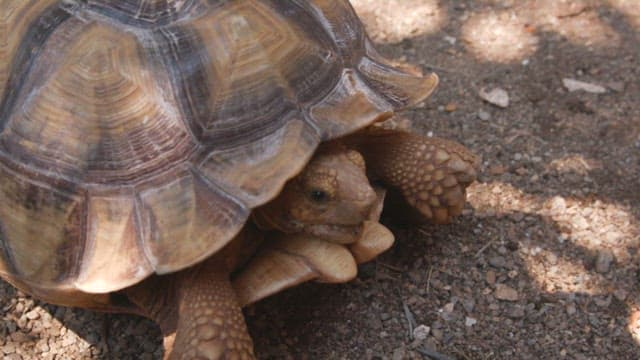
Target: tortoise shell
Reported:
[(136, 136)]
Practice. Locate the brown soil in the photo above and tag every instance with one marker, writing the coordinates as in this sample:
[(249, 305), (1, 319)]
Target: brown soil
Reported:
[(543, 264)]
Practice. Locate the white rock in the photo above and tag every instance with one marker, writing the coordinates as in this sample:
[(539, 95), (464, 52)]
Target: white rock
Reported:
[(450, 39), (421, 332), (575, 85), (497, 96), (469, 322), (484, 116), (448, 308)]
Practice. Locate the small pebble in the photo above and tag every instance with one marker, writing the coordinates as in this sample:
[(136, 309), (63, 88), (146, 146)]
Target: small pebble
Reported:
[(8, 348), (620, 294), (576, 85), (399, 353), (484, 115), (497, 261), (469, 321), (469, 304), (69, 340), (496, 96), (450, 39), (563, 352), (421, 332), (33, 314), (374, 322), (19, 337), (448, 308), (617, 86), (490, 277), (42, 346), (579, 222), (505, 292), (602, 301), (516, 312), (604, 260), (497, 169), (552, 258)]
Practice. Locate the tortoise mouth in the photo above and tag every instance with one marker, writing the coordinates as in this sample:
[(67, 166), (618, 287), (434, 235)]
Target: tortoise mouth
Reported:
[(338, 234)]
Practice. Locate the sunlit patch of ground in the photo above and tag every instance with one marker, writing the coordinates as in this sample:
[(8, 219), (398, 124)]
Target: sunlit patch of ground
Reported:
[(513, 34), (630, 8), (634, 325), (501, 37), (576, 20), (553, 274), (574, 163), (590, 225), (391, 21)]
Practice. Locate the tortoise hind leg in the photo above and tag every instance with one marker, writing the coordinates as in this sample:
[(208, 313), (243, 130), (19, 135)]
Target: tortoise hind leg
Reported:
[(431, 174), (198, 313)]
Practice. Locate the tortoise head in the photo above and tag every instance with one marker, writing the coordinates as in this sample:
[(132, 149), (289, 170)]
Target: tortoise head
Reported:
[(330, 199)]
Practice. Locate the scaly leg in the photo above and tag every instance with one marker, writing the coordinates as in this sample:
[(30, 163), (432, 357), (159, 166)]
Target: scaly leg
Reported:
[(432, 174), (198, 313)]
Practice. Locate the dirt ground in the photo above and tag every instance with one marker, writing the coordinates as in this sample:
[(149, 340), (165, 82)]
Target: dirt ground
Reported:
[(544, 262)]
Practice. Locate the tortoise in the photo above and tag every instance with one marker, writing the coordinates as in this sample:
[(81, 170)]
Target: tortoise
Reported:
[(310, 243), (138, 136)]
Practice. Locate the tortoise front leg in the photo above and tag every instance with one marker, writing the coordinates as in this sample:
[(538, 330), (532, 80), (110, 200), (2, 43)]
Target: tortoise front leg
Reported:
[(198, 313), (432, 174)]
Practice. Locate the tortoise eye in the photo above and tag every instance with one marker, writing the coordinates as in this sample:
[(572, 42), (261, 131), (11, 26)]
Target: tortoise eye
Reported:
[(318, 195)]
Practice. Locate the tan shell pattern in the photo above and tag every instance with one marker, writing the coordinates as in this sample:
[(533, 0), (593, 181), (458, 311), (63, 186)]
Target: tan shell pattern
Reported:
[(137, 135)]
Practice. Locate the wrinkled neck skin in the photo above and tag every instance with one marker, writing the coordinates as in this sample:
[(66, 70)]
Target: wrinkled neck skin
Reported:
[(330, 199)]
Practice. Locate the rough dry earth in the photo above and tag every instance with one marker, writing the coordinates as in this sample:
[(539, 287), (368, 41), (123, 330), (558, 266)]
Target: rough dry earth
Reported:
[(544, 262)]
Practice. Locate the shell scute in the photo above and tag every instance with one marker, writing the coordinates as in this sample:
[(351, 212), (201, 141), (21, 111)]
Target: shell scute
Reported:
[(186, 220), (41, 228), (114, 255), (400, 87), (241, 68), (350, 106), (100, 115), (145, 13), (253, 171), (28, 26), (340, 22)]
